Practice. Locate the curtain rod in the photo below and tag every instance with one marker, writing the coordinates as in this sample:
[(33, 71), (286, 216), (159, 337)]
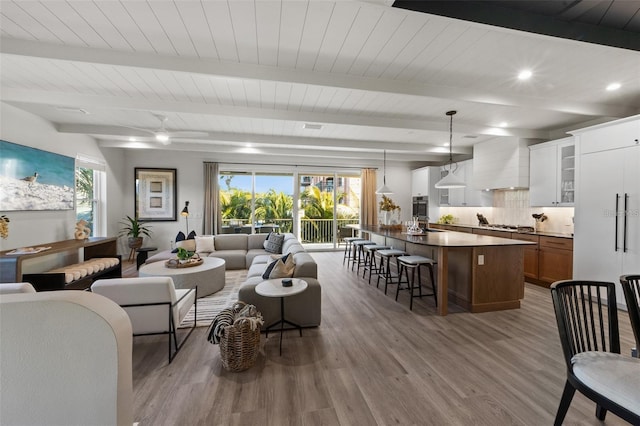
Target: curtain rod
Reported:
[(292, 165)]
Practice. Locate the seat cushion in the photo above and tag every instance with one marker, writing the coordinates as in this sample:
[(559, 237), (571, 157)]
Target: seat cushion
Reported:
[(614, 376)]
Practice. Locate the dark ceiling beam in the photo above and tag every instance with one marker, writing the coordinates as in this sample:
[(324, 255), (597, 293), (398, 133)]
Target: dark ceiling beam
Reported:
[(490, 14)]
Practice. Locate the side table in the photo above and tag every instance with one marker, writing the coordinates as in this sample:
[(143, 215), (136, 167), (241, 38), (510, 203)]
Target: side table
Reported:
[(274, 288), (143, 255)]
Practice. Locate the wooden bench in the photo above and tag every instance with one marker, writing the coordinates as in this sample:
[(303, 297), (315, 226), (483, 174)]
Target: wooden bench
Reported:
[(78, 276), (62, 277)]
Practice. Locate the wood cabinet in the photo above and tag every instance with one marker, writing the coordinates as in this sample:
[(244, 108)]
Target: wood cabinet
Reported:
[(552, 173), (531, 255), (555, 259), (607, 222)]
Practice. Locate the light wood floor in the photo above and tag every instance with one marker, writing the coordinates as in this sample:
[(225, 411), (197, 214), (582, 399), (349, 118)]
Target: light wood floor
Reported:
[(372, 362)]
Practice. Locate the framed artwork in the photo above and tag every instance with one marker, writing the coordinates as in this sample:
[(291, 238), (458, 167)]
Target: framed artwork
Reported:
[(33, 179), (156, 198)]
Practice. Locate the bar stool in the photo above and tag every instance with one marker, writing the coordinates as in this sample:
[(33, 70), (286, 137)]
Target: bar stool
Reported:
[(413, 263), (386, 255), (347, 248), (370, 259), (358, 253)]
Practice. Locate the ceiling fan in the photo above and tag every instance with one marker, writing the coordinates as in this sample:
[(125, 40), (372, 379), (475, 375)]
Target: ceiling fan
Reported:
[(164, 136)]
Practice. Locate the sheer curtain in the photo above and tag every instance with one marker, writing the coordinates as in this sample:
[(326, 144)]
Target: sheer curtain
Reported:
[(212, 217), (369, 208)]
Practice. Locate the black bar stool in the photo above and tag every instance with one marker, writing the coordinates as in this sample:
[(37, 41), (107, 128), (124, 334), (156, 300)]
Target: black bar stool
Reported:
[(385, 257), (358, 256), (370, 259), (347, 248), (413, 263)]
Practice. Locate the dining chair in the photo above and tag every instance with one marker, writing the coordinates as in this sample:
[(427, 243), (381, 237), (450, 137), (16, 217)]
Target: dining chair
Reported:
[(631, 288), (587, 318)]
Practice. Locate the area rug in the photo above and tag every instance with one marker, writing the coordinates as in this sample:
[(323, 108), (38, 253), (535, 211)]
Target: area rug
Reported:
[(210, 306)]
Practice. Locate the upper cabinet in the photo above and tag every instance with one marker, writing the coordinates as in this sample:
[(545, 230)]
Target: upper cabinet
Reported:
[(470, 196), (552, 173), (420, 182)]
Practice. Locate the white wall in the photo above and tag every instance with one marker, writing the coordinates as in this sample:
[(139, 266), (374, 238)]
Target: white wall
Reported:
[(399, 181), (29, 228)]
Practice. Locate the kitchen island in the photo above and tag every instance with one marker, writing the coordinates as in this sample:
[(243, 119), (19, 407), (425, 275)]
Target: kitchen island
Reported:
[(478, 272)]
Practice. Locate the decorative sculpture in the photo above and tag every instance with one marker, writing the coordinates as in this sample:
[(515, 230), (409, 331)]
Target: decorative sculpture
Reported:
[(82, 232)]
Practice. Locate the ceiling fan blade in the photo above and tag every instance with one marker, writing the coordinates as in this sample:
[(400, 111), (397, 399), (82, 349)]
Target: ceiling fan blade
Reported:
[(188, 134), (151, 132)]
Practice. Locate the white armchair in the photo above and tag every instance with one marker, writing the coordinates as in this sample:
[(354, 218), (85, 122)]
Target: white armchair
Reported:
[(153, 304), (12, 288)]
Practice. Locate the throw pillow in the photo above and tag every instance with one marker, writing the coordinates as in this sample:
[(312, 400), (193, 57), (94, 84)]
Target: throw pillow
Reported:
[(191, 235), (179, 237), (280, 268), (204, 244), (188, 245), (273, 243)]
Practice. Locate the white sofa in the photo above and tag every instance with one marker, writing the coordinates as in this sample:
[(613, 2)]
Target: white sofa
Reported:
[(65, 359)]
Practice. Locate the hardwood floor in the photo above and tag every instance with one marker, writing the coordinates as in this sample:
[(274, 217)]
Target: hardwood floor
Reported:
[(373, 362)]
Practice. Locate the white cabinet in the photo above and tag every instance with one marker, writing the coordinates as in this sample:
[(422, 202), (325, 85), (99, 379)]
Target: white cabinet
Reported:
[(552, 173), (607, 218), (420, 182), (469, 196)]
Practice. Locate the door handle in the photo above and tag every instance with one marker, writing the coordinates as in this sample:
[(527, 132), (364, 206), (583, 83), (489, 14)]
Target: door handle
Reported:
[(617, 206), (626, 214)]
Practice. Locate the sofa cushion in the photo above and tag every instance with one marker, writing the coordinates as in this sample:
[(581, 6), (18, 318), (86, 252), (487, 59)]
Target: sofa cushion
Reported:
[(256, 241), (281, 267), (235, 259), (273, 243), (204, 244), (253, 254), (231, 242)]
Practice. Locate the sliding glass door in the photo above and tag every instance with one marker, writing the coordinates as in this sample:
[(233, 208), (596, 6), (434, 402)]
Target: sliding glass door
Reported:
[(321, 209)]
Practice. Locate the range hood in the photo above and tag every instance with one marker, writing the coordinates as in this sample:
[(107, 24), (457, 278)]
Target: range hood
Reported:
[(501, 163)]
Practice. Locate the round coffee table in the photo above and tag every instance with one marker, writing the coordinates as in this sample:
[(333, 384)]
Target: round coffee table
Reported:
[(209, 277), (274, 288)]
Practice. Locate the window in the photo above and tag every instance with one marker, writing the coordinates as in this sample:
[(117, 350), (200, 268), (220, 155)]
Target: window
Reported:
[(91, 195)]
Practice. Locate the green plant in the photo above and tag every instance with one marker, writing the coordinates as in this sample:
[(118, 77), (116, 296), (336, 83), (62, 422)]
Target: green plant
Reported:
[(134, 228), (446, 219), (183, 254)]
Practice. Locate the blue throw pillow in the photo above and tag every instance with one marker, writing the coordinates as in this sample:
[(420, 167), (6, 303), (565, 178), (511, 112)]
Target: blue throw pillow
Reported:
[(179, 237)]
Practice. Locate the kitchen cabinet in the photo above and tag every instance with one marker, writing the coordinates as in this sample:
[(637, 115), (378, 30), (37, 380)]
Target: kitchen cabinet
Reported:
[(531, 255), (468, 196), (420, 182), (607, 218), (555, 259), (552, 173)]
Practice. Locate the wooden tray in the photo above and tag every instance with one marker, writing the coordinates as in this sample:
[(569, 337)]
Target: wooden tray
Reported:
[(175, 263)]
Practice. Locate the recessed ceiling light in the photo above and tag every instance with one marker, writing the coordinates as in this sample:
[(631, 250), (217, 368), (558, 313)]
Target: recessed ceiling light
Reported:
[(525, 75), (312, 126), (132, 139), (613, 86), (249, 145), (503, 124)]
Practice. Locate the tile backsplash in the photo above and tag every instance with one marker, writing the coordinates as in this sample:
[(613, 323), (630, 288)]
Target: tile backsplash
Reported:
[(511, 207)]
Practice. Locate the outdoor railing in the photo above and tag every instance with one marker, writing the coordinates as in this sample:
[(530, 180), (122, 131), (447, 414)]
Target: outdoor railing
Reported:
[(311, 230)]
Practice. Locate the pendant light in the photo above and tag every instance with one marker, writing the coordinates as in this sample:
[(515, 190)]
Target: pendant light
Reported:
[(450, 181), (384, 189)]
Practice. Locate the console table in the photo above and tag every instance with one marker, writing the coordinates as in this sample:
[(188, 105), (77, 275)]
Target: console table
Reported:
[(11, 265)]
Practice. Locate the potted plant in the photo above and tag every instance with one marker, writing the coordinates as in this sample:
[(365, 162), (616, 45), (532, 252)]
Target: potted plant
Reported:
[(183, 254), (135, 230)]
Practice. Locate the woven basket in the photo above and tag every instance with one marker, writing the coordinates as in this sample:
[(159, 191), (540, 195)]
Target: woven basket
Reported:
[(239, 346)]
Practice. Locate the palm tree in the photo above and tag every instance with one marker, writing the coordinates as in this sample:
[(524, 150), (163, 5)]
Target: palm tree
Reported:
[(235, 204), (273, 206)]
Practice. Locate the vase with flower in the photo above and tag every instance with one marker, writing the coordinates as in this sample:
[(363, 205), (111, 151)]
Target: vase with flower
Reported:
[(387, 211)]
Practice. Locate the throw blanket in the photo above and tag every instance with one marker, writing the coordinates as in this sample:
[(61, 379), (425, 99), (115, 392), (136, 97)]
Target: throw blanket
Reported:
[(240, 313)]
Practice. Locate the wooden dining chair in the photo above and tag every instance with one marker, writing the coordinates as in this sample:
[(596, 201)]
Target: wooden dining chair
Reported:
[(587, 318), (631, 288)]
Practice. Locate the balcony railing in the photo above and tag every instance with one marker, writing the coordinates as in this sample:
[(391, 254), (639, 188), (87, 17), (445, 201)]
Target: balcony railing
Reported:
[(317, 231)]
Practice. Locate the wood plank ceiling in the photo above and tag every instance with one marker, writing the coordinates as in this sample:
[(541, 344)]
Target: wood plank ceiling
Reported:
[(254, 72)]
